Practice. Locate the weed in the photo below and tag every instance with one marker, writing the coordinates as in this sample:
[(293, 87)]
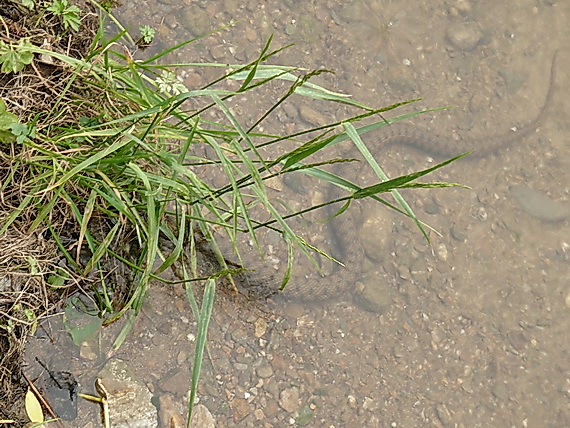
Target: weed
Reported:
[(15, 57), (69, 14), (147, 36)]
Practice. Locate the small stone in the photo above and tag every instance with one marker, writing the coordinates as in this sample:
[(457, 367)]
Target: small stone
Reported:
[(376, 231), (128, 397), (374, 296), (305, 416), (312, 116), (259, 415), (260, 327), (442, 253), (240, 407), (513, 80), (195, 20), (265, 371), (239, 335), (500, 391), (181, 357), (464, 36), (539, 205), (351, 400), (218, 52), (370, 405), (175, 381), (86, 352), (240, 366), (193, 81), (458, 234), (169, 415), (432, 208), (201, 417), (289, 399), (444, 415)]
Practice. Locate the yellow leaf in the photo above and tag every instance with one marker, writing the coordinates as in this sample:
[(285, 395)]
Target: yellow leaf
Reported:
[(33, 408)]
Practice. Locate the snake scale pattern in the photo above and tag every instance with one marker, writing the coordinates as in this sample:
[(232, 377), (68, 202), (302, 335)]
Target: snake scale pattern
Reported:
[(345, 233)]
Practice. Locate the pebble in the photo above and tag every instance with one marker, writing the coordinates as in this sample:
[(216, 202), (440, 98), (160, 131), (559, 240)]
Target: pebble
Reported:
[(500, 391), (376, 231), (313, 117), (240, 366), (260, 327), (539, 205), (305, 416), (86, 352), (128, 397), (240, 407), (374, 295), (176, 382), (442, 253), (218, 52), (196, 20), (265, 371), (464, 36), (201, 417), (169, 416), (289, 399), (444, 415)]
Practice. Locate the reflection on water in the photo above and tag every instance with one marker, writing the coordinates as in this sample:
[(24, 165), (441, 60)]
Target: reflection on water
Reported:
[(473, 332)]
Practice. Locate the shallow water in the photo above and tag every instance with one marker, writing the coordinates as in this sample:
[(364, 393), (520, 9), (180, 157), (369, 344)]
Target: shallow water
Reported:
[(474, 332)]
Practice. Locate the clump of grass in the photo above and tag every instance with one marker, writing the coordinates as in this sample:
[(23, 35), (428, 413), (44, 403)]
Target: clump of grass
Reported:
[(108, 171)]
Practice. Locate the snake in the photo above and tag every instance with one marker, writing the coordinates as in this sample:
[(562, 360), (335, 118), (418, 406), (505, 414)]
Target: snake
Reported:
[(344, 229)]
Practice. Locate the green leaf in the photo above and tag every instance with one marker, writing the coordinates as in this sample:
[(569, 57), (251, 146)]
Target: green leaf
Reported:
[(14, 59), (22, 132), (68, 14), (80, 325), (6, 118)]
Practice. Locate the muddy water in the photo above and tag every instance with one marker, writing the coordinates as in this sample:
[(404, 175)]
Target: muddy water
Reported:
[(468, 331)]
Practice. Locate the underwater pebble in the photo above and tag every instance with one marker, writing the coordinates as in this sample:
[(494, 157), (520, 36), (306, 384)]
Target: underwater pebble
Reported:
[(374, 296), (305, 416), (265, 371), (175, 382), (312, 116), (128, 397), (240, 407), (260, 327), (289, 399), (201, 417), (168, 415), (464, 35), (538, 204), (196, 20)]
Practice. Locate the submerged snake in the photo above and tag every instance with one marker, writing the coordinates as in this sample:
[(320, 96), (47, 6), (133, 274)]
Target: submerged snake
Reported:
[(343, 228)]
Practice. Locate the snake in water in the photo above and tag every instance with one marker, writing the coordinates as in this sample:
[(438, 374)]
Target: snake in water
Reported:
[(345, 232)]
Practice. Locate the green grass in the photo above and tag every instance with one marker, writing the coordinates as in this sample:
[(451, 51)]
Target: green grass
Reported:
[(115, 168)]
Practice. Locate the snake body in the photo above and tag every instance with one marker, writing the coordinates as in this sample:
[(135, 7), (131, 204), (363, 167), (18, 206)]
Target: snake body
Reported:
[(343, 227)]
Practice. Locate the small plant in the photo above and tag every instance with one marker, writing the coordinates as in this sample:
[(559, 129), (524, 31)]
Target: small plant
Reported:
[(22, 132), (69, 14), (28, 3), (147, 36), (7, 120), (15, 58), (169, 84)]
